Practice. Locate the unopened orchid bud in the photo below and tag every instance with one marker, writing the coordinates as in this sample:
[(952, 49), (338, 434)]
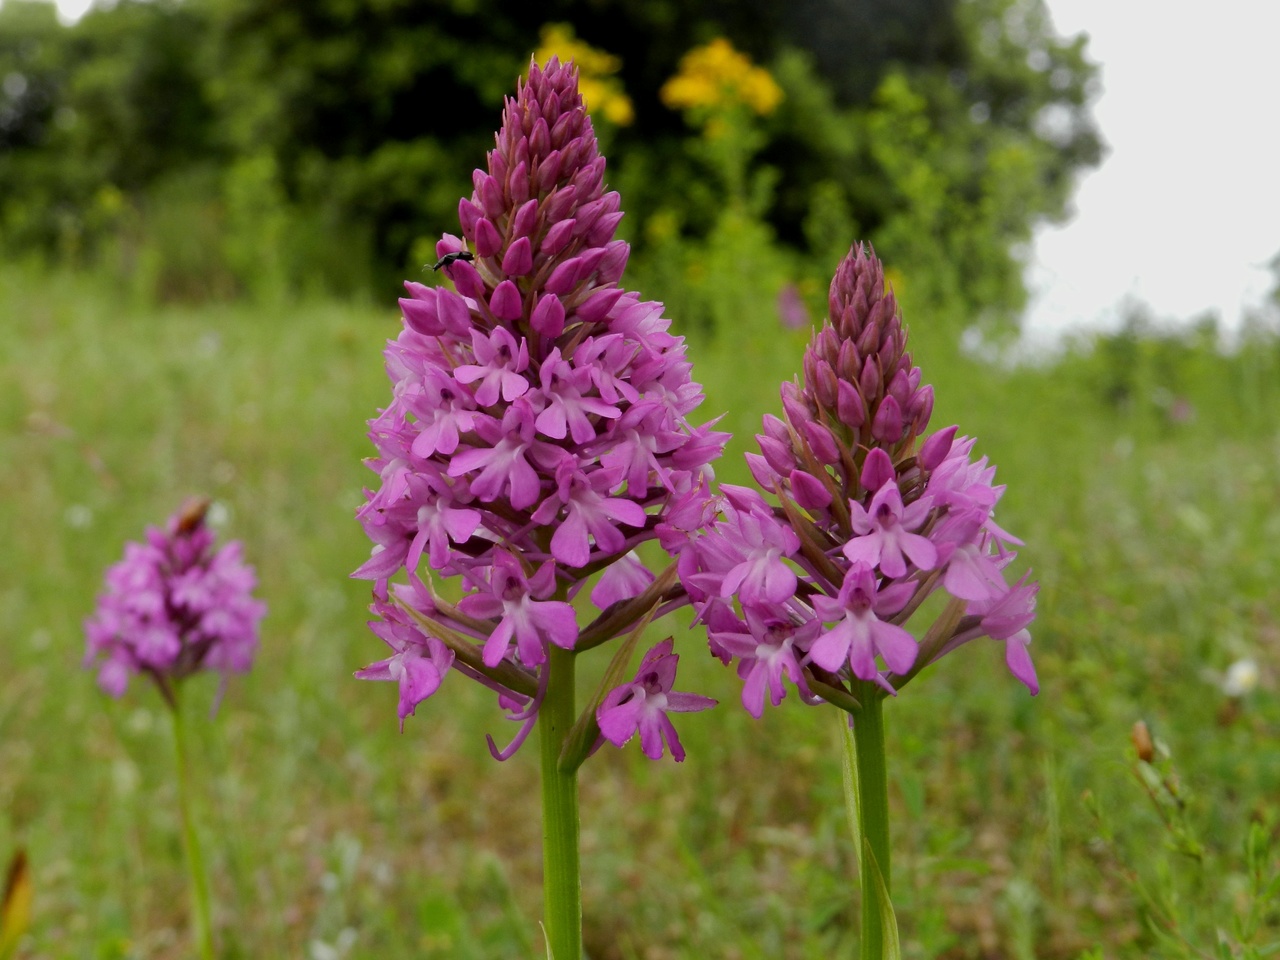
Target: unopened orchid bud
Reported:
[(849, 405), (824, 385), (887, 425), (936, 448)]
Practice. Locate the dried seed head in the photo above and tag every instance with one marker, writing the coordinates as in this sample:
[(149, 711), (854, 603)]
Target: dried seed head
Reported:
[(1142, 742)]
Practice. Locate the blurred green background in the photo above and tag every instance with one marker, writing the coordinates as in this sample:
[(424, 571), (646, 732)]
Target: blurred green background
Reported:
[(206, 209)]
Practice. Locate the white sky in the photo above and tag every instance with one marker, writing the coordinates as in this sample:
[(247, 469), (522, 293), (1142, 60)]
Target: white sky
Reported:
[(1184, 212), (69, 11)]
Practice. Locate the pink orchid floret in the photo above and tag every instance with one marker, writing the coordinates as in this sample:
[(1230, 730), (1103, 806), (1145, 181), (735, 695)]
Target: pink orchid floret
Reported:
[(523, 614), (859, 629), (499, 364), (569, 404), (972, 572), (767, 648), (592, 518), (760, 544), (175, 605), (537, 431), (444, 410), (418, 662), (1006, 618), (627, 577), (870, 516), (642, 705), (883, 534)]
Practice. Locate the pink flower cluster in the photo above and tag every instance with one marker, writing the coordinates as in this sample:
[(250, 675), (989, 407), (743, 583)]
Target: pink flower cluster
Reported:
[(175, 605), (537, 430), (868, 523)]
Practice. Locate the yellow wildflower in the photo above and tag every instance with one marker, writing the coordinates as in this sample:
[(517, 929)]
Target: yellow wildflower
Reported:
[(601, 90), (716, 76)]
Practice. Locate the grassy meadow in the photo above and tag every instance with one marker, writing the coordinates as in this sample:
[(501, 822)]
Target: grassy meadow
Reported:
[(1144, 479)]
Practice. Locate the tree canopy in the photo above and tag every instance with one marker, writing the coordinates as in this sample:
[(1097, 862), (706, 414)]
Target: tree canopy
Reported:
[(329, 140)]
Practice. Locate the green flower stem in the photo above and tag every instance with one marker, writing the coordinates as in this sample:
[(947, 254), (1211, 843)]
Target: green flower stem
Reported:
[(561, 878), (200, 913), (873, 814)]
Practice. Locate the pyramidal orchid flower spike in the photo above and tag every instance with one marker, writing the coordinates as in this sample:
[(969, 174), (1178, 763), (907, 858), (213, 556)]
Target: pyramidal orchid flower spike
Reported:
[(866, 517), (537, 430), (173, 606), (537, 435)]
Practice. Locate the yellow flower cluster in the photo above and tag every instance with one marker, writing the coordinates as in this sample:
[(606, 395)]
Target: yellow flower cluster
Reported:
[(717, 75), (601, 90)]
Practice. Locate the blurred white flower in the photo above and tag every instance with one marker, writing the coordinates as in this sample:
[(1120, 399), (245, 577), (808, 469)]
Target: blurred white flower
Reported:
[(218, 515), (208, 344), (78, 516), (1242, 677), (124, 777)]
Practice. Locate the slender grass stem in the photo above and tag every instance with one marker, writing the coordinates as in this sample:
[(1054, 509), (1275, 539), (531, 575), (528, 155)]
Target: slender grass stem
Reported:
[(561, 877), (200, 912)]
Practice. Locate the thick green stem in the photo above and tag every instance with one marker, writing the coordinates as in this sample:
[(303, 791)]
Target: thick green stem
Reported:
[(873, 813), (200, 913), (561, 879)]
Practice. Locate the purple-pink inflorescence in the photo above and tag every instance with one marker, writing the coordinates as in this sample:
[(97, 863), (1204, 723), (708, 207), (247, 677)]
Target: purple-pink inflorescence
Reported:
[(869, 521), (174, 605), (537, 431)]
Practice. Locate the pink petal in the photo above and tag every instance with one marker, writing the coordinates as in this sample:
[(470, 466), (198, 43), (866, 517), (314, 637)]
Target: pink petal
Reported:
[(569, 543), (895, 644), (1018, 659)]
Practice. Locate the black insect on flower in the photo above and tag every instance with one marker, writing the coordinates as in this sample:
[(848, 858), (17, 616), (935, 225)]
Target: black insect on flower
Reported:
[(449, 258)]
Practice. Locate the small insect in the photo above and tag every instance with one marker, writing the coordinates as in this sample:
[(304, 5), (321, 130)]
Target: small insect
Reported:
[(449, 258)]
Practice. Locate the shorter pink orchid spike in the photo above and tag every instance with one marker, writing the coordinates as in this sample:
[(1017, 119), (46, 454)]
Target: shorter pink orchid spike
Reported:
[(871, 516), (174, 606)]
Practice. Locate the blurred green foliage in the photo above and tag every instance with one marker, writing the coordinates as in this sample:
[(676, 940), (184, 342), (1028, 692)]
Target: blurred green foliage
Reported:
[(214, 148)]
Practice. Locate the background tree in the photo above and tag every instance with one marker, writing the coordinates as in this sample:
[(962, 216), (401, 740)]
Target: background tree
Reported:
[(318, 143)]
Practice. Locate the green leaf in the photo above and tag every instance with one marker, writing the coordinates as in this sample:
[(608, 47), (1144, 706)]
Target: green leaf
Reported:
[(849, 777), (888, 920)]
